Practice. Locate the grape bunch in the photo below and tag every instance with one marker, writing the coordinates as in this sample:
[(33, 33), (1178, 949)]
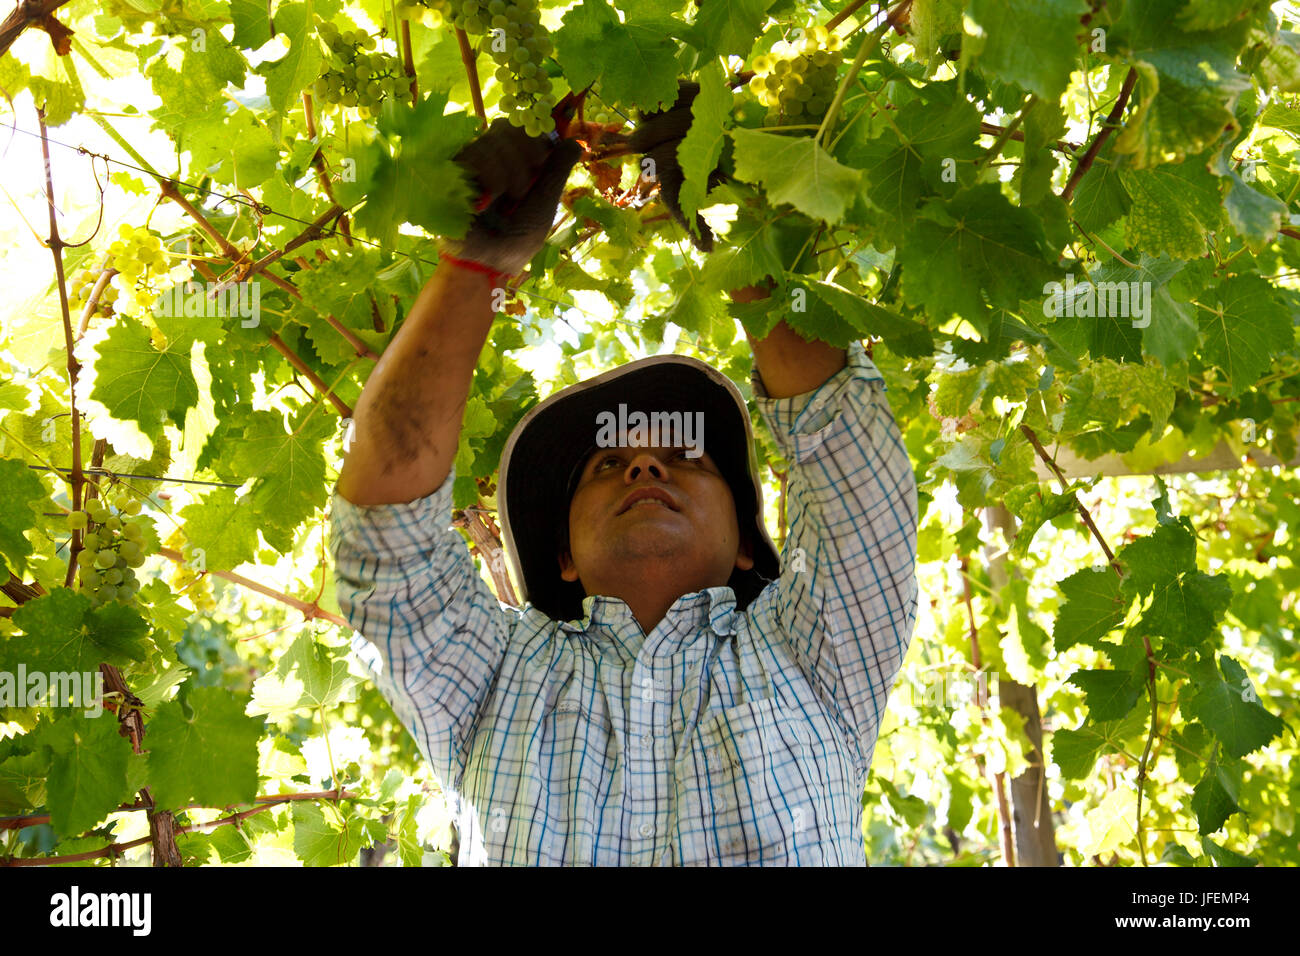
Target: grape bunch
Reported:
[(358, 75), (796, 81), (139, 258), (188, 580), (112, 548), (79, 293), (518, 43), (432, 13)]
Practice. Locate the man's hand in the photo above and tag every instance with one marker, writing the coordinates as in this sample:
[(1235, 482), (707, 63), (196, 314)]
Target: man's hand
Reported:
[(658, 136), (526, 175)]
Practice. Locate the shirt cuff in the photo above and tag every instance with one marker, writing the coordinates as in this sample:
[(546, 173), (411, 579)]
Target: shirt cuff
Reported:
[(800, 423), (398, 530)]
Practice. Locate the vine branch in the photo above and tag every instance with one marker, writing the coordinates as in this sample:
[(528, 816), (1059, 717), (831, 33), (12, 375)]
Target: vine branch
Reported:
[(1111, 124)]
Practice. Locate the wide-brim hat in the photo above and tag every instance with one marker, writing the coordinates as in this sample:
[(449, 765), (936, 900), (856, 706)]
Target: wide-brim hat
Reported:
[(545, 449)]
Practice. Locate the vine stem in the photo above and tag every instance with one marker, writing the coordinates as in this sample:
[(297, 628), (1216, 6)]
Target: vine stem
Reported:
[(408, 62), (844, 14), (1079, 505), (116, 849), (17, 823), (1110, 125), (309, 611), (56, 244), (869, 44), (471, 71), (318, 163), (1007, 132)]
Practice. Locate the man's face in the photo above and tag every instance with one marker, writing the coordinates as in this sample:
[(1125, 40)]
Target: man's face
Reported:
[(635, 508)]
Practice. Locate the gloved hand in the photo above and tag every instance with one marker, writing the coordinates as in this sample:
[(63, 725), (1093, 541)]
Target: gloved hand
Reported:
[(526, 174), (658, 136)]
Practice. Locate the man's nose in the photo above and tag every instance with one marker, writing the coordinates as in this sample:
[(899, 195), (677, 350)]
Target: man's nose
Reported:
[(643, 463)]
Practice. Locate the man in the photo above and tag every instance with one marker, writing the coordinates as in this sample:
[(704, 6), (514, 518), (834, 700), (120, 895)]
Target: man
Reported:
[(669, 694)]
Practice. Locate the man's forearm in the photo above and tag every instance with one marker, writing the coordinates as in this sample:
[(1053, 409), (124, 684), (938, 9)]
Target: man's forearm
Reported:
[(408, 418), (787, 362)]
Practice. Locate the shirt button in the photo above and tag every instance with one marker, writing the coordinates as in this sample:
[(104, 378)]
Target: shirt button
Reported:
[(646, 740), (646, 829)]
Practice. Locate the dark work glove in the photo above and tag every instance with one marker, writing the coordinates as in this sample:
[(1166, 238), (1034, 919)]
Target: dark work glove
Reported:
[(526, 175), (658, 136)]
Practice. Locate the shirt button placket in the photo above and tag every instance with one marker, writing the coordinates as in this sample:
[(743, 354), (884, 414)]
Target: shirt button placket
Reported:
[(644, 772)]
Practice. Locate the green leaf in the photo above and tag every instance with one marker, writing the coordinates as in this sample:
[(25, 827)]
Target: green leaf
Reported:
[(634, 62), (726, 28), (1111, 695), (65, 635), (324, 836), (289, 468), (308, 675), (420, 184), (1215, 14), (137, 383), (237, 148), (1223, 856), (252, 20), (1093, 608), (908, 160), (795, 170), (1231, 711), (975, 246), (224, 526), (1053, 25), (208, 756), (1244, 326), (1173, 208), (1100, 198), (87, 771), (19, 487), (698, 152), (299, 67), (858, 318), (1187, 94), (1214, 799), (749, 256), (1076, 751)]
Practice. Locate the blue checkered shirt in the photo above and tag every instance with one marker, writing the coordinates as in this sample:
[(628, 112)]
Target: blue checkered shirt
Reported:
[(722, 737)]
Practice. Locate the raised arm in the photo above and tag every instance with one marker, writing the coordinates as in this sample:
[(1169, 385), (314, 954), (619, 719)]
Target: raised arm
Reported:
[(408, 418)]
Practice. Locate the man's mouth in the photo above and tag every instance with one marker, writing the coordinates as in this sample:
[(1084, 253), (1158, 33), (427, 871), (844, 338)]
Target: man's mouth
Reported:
[(648, 497)]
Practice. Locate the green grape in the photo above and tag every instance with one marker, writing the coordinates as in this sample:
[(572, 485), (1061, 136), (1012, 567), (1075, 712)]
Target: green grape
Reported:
[(85, 559), (107, 593), (90, 541), (136, 561), (132, 506), (91, 578), (105, 558), (95, 508), (113, 576), (77, 520), (113, 523), (129, 549)]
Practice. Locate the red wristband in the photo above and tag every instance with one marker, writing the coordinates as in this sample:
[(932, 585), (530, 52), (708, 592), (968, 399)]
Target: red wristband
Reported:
[(499, 279)]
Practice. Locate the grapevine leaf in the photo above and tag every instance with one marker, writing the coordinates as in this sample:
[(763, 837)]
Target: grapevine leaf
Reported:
[(1112, 695), (1214, 799), (138, 383), (1053, 24), (308, 674), (1231, 711), (87, 771), (1100, 198), (797, 171), (634, 61), (1173, 208), (1222, 856), (64, 635), (252, 20), (1244, 327), (698, 152), (726, 28), (224, 526), (976, 243), (299, 67), (1075, 751), (19, 487), (288, 466), (324, 836), (208, 756), (1093, 608)]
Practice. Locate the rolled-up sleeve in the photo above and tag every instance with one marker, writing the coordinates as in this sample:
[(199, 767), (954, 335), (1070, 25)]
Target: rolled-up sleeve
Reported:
[(847, 597), (429, 629)]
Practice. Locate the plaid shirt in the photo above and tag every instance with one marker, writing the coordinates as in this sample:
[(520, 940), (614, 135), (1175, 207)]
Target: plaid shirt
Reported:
[(722, 737)]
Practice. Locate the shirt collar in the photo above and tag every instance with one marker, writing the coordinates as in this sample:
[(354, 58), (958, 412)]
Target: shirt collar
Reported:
[(714, 608)]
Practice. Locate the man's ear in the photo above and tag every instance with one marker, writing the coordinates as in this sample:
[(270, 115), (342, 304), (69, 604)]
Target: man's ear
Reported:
[(568, 571), (745, 552)]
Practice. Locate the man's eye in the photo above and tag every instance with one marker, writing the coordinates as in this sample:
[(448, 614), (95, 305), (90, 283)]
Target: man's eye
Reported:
[(600, 465)]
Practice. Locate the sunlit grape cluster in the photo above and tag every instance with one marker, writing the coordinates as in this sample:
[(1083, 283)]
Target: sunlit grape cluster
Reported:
[(432, 13), (112, 548), (358, 75), (188, 580), (138, 257), (796, 81), (514, 37), (79, 294)]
